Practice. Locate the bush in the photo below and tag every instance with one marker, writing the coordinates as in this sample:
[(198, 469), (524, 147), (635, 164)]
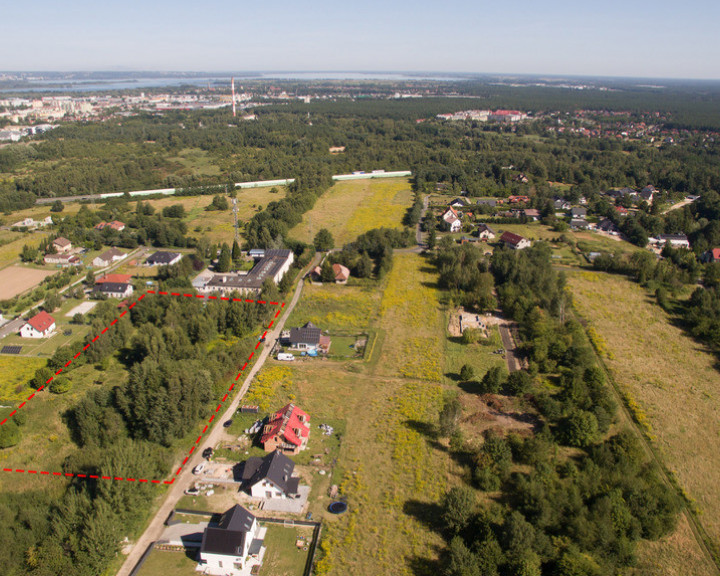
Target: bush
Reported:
[(471, 335), (9, 434), (517, 383), (466, 372), (60, 385), (494, 380)]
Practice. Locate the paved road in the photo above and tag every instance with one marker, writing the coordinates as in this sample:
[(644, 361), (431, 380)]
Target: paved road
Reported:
[(11, 326), (185, 478)]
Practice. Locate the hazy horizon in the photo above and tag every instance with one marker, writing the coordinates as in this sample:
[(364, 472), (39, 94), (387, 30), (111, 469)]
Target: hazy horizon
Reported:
[(642, 39)]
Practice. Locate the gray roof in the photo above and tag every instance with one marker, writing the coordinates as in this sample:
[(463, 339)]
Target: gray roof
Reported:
[(308, 334), (578, 211), (228, 537), (162, 257), (275, 467), (267, 267), (111, 287)]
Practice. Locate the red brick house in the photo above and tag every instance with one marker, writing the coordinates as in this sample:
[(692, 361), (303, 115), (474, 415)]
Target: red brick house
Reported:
[(287, 430)]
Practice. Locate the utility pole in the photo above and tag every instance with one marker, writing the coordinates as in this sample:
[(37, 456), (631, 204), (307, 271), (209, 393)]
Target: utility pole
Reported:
[(235, 214)]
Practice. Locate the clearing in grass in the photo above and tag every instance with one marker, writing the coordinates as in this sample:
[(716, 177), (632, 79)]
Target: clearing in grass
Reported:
[(336, 307)]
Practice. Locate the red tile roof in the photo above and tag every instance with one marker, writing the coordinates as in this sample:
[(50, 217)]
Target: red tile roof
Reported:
[(341, 272), (121, 278), (716, 254), (511, 238), (41, 321), (284, 423)]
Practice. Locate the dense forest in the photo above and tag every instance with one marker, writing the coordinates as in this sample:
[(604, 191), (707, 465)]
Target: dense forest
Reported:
[(144, 151)]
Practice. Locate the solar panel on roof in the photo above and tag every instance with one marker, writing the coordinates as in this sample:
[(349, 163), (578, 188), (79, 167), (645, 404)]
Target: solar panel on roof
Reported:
[(11, 350)]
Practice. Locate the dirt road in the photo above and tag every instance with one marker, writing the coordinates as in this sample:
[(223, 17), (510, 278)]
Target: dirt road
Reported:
[(185, 478), (508, 341)]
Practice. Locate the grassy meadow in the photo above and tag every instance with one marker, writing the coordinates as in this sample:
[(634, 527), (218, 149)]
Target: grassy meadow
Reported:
[(353, 207), (671, 378)]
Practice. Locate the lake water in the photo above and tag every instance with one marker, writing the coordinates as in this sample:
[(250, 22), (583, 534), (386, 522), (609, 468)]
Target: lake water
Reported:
[(91, 85)]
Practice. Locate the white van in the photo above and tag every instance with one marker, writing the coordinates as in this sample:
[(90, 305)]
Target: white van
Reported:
[(285, 356), (199, 468)]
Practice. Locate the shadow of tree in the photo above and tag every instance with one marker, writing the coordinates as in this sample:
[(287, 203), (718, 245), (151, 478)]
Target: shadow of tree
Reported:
[(425, 566), (429, 514)]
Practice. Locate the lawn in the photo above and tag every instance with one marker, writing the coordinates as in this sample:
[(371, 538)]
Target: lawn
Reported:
[(353, 207), (168, 563), (283, 557), (478, 355), (672, 378)]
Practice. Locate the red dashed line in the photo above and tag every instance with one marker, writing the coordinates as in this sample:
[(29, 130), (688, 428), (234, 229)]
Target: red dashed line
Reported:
[(205, 429)]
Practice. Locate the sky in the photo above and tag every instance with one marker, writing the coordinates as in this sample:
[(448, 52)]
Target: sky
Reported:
[(632, 38)]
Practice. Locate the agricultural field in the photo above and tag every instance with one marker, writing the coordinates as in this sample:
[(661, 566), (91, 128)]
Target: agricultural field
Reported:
[(671, 379), (353, 207), (15, 280)]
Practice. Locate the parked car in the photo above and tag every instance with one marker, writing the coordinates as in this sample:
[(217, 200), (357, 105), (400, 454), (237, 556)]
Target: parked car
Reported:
[(199, 468), (227, 423), (285, 356), (192, 491)]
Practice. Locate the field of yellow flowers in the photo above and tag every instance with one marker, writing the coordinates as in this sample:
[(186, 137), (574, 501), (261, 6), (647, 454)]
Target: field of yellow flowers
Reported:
[(353, 207)]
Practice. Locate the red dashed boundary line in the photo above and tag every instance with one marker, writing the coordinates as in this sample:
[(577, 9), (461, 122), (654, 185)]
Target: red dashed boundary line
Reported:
[(210, 420)]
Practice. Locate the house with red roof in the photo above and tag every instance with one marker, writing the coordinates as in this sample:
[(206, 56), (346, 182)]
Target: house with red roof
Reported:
[(287, 430), (120, 278), (41, 325), (710, 256), (115, 225), (514, 241)]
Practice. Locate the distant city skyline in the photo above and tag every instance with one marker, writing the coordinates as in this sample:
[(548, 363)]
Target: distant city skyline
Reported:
[(637, 39)]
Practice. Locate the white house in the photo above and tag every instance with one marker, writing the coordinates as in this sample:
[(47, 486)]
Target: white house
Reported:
[(114, 289), (675, 240), (515, 241), (108, 257), (485, 233), (452, 220), (39, 326), (233, 547), (270, 477), (62, 245)]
